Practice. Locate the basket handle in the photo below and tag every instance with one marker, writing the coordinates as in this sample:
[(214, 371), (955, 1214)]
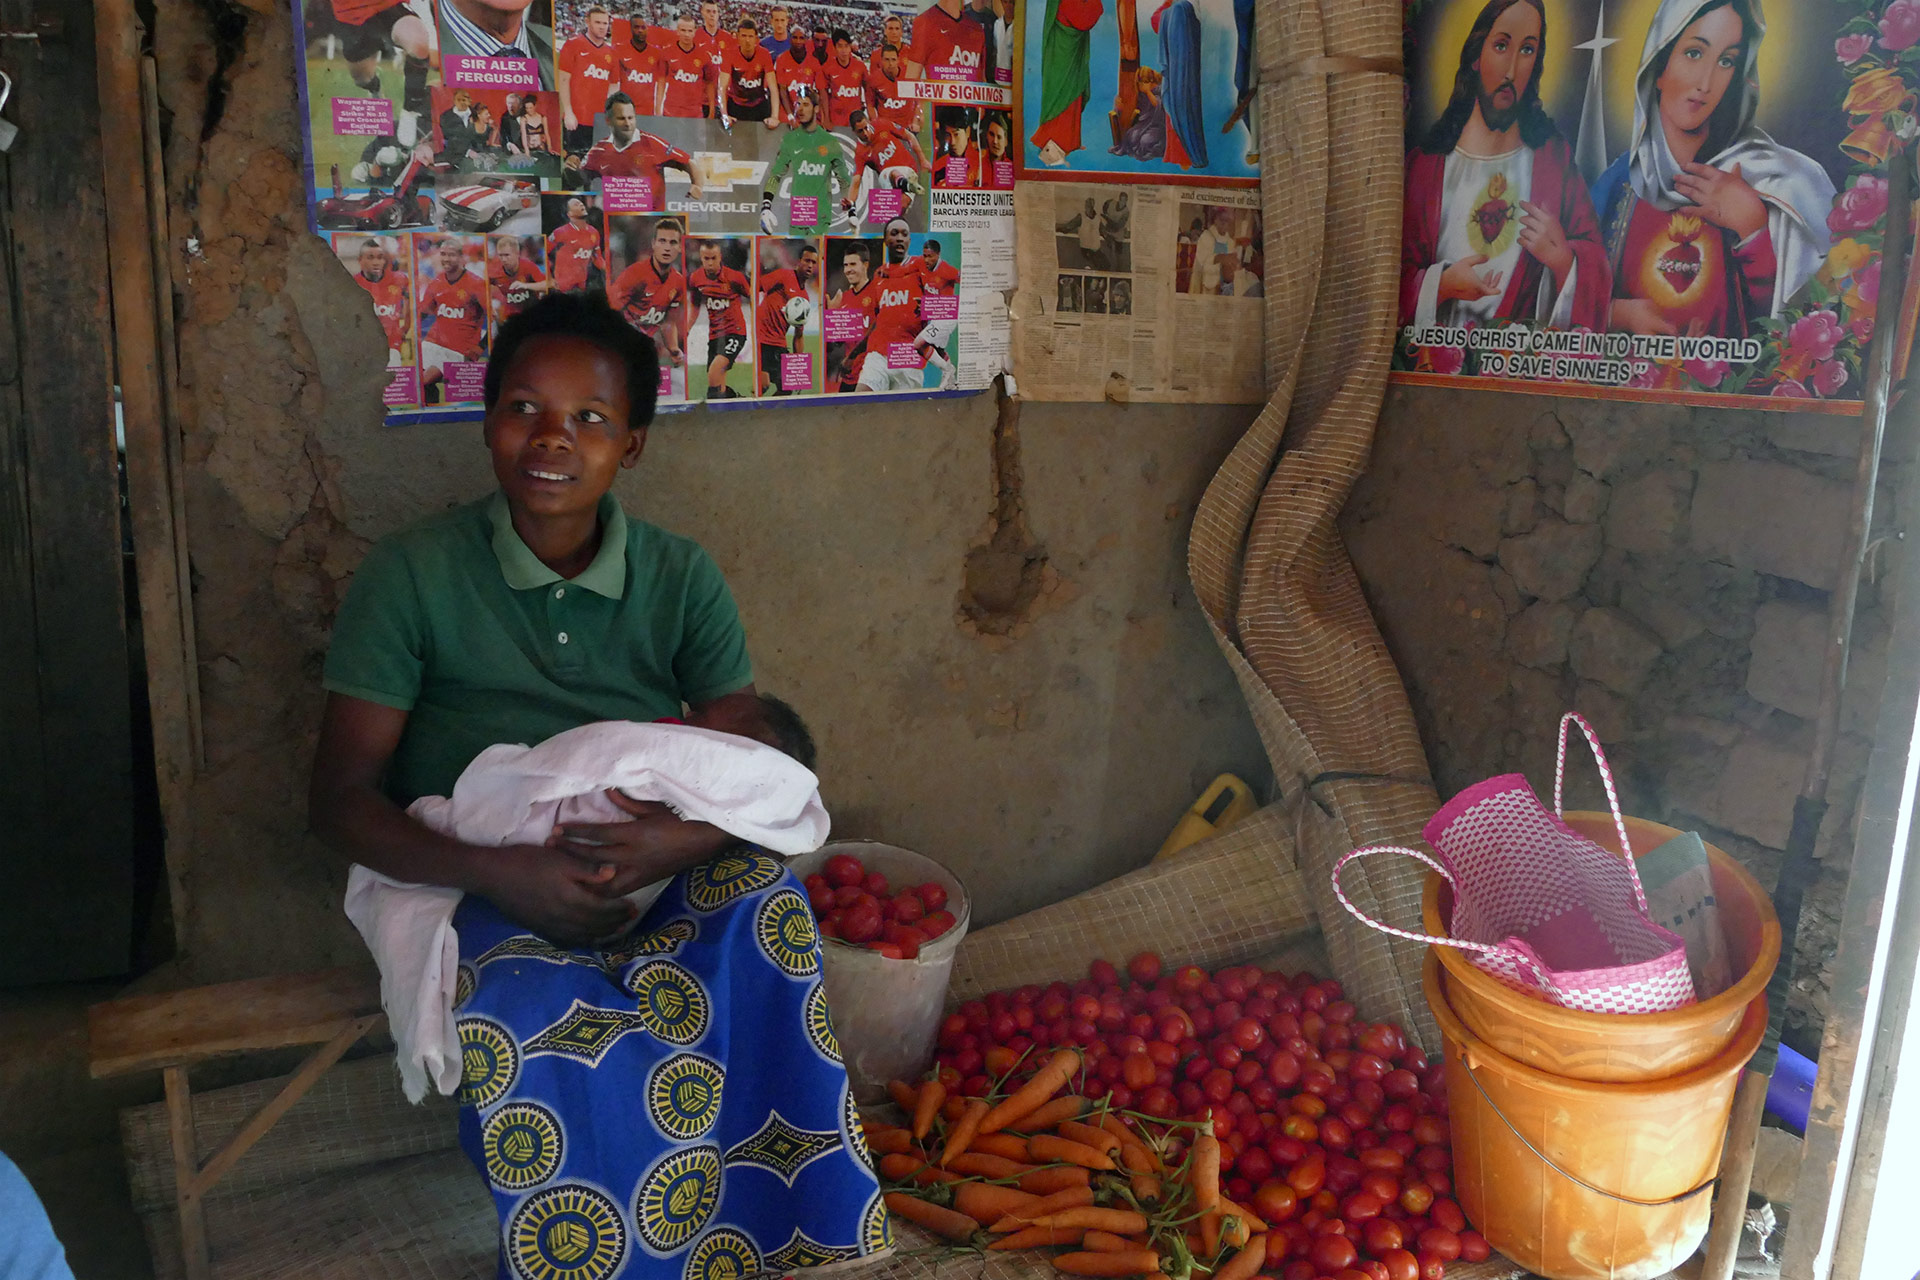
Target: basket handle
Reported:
[(1364, 918), (1613, 796)]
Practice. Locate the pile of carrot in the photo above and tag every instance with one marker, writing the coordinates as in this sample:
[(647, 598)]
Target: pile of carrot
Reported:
[(1043, 1168)]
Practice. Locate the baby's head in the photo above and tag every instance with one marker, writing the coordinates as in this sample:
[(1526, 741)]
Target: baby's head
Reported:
[(765, 719)]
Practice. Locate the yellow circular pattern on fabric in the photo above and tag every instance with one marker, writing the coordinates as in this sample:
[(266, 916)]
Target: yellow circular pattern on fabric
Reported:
[(522, 1145), (464, 982), (856, 1136), (819, 1024), (672, 1003), (489, 1061), (722, 1254), (876, 1229), (567, 1233), (677, 1197), (788, 935), (712, 885), (683, 1096)]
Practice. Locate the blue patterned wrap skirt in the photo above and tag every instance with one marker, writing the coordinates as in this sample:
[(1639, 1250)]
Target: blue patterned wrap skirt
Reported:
[(672, 1106)]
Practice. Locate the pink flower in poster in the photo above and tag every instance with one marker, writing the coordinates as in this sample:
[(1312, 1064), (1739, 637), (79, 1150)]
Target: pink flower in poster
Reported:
[(1788, 389), (1646, 374), (1829, 377), (1861, 326), (1814, 336), (1850, 49), (1866, 283), (1900, 26), (1708, 373), (1448, 360), (1860, 205)]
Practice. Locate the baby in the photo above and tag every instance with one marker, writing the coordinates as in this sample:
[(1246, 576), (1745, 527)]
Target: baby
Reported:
[(766, 719)]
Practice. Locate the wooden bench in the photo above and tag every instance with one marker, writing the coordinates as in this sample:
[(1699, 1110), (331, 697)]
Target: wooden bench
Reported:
[(172, 1031)]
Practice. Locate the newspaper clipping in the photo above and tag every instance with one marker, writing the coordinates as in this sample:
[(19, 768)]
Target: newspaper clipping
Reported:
[(1138, 293)]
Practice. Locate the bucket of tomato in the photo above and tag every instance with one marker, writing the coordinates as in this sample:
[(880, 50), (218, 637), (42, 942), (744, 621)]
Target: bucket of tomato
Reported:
[(890, 922)]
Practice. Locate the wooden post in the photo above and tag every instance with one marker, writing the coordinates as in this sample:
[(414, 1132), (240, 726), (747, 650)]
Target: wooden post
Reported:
[(186, 1170), (164, 596)]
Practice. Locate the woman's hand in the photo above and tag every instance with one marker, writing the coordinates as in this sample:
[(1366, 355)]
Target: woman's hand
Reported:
[(1542, 236), (557, 894), (1461, 283), (653, 845), (1723, 197)]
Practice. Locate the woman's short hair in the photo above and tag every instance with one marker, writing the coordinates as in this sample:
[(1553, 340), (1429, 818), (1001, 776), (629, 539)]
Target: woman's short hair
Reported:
[(589, 318)]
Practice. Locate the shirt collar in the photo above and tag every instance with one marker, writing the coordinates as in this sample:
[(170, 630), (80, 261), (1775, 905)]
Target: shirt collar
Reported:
[(606, 576), (483, 44)]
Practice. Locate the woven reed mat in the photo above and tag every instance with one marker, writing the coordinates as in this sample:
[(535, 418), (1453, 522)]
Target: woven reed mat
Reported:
[(1266, 558)]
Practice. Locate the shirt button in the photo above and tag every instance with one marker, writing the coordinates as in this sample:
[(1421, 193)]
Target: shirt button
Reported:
[(563, 637), (559, 593)]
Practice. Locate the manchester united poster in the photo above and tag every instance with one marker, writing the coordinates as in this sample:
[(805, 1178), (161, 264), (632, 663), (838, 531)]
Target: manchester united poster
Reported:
[(700, 164), (1651, 199)]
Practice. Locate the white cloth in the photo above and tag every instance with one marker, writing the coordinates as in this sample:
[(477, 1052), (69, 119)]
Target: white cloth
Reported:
[(514, 794), (1468, 180), (1797, 191)]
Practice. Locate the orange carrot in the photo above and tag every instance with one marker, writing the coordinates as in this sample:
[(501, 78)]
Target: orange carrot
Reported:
[(963, 1132), (1071, 1198), (1134, 1262), (1037, 1238), (1046, 1082), (903, 1094), (1205, 1175), (1245, 1215), (1090, 1135), (1145, 1188), (932, 1094), (954, 1226), (1137, 1157), (1050, 1114), (1107, 1242), (1044, 1182), (1005, 1145), (953, 1108), (979, 1164), (1122, 1222), (987, 1204), (910, 1168), (1114, 1125), (1244, 1264), (1044, 1148), (890, 1141)]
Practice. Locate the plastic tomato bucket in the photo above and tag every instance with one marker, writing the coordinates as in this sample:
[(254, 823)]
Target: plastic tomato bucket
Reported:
[(1575, 1180), (886, 1013), (1617, 1047)]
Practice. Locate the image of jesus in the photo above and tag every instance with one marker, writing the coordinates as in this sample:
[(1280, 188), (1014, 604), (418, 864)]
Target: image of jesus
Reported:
[(1499, 224)]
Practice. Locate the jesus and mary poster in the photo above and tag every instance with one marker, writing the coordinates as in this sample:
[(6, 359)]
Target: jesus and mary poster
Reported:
[(1701, 223)]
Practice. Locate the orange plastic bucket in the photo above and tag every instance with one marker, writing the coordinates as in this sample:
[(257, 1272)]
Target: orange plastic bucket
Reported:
[(1617, 1046), (1581, 1181)]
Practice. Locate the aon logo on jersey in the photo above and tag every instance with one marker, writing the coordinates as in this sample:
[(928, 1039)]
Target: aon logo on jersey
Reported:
[(961, 57), (594, 71), (451, 312), (895, 297), (745, 83), (386, 310), (718, 304), (581, 255), (813, 168), (650, 318), (687, 77)]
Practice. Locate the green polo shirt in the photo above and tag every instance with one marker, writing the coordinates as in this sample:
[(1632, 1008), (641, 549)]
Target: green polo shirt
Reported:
[(458, 623)]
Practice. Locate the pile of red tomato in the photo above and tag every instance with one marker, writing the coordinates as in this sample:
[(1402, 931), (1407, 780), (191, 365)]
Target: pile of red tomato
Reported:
[(857, 906), (1332, 1130)]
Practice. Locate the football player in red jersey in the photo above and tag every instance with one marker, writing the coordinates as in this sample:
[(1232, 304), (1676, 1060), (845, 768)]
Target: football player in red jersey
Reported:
[(719, 291), (748, 88), (365, 27), (588, 65), (897, 315), (894, 33), (716, 44), (846, 81), (779, 333), (883, 89), (862, 294), (388, 286), (798, 74), (938, 279), (576, 249), (688, 72), (996, 151), (947, 45), (957, 161), (642, 78), (453, 315), (652, 293), (627, 153), (513, 279), (890, 151)]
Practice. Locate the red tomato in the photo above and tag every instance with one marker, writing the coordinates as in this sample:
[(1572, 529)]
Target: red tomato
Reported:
[(1255, 1164), (1416, 1197), (1379, 1183), (1430, 1131), (1432, 1266), (1283, 1069), (1138, 1071), (844, 869), (1144, 968), (1247, 1033), (934, 894), (1225, 1054), (862, 923), (911, 940), (1308, 1176), (1276, 1202), (1400, 1083), (937, 923), (887, 949), (1103, 973), (1297, 1269), (1189, 979), (1400, 1264), (1305, 1104), (1440, 1242), (1362, 1206), (1158, 1102), (1382, 1236), (1445, 1213), (1474, 1247), (907, 908), (1333, 1253), (1217, 1085)]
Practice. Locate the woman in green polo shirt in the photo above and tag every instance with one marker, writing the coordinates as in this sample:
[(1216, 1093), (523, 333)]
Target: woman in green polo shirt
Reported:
[(672, 1105)]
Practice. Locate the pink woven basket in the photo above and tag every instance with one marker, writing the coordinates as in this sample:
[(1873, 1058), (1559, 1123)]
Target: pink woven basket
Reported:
[(1540, 906)]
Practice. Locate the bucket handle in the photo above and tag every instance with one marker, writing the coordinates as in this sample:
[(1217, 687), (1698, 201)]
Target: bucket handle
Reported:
[(1613, 797), (1506, 953), (1574, 1177)]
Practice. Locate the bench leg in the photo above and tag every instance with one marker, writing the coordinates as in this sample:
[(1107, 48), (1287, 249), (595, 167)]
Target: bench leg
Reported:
[(186, 1170)]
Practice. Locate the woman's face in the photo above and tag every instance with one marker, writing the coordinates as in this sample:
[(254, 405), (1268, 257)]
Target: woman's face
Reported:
[(1703, 63)]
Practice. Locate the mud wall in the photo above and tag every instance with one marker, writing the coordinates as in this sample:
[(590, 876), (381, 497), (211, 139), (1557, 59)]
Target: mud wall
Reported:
[(990, 630), (1663, 570)]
